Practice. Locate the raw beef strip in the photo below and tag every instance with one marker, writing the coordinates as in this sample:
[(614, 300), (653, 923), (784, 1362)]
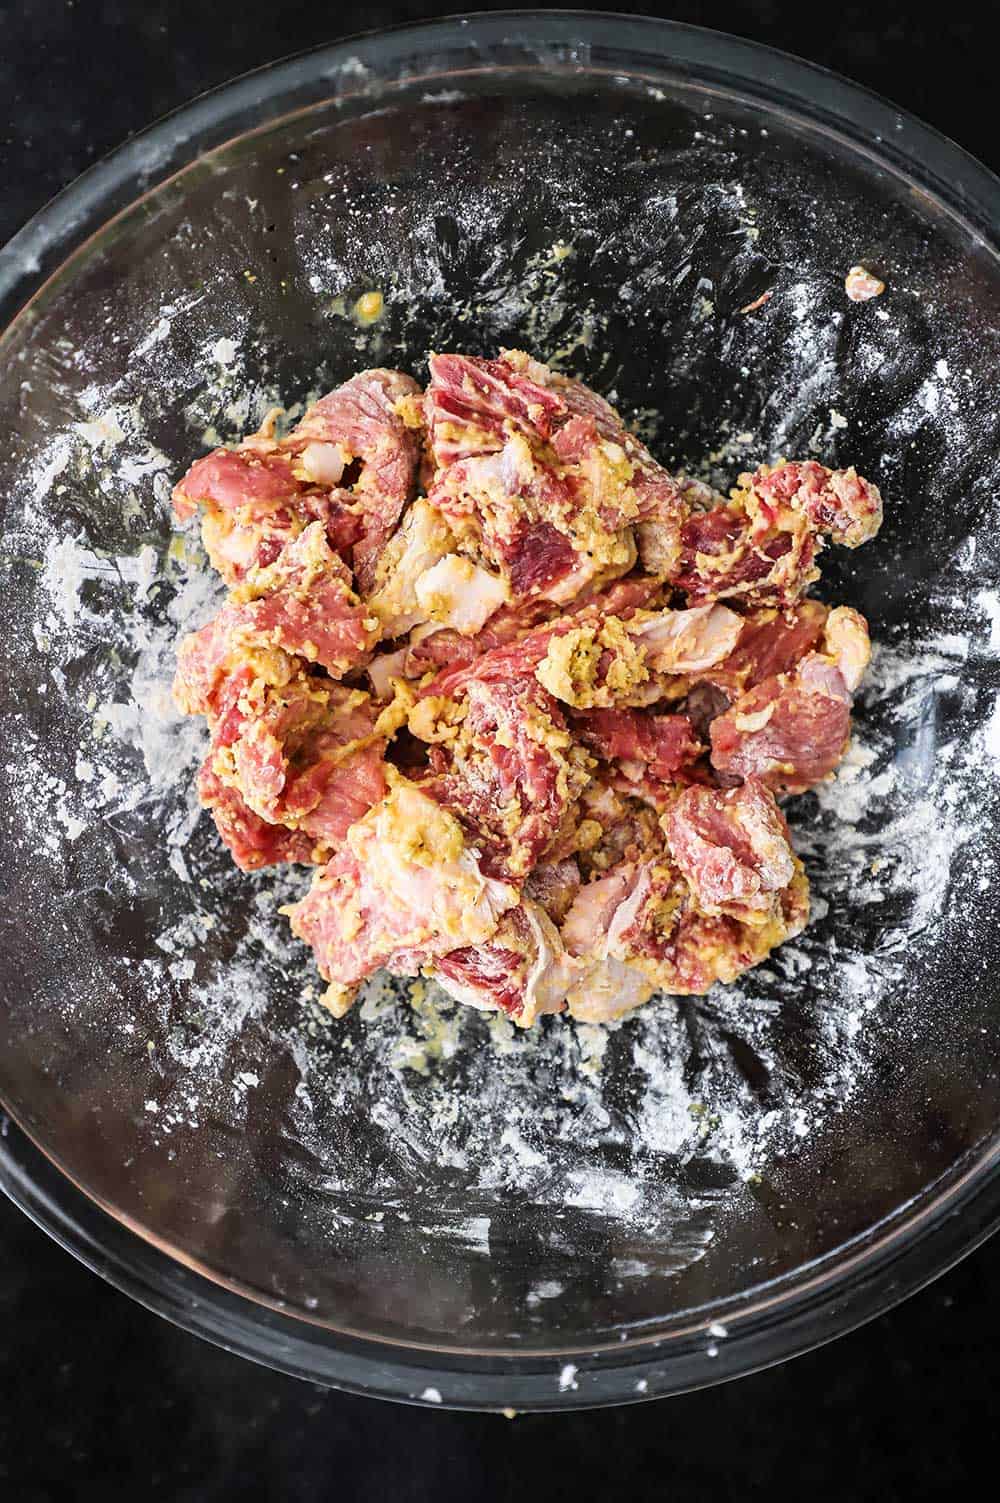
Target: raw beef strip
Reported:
[(515, 640), (732, 847), (636, 930), (404, 888), (546, 472), (252, 841), (762, 544), (792, 729), (510, 773), (663, 743), (350, 464), (302, 605), (305, 756), (522, 970), (363, 419)]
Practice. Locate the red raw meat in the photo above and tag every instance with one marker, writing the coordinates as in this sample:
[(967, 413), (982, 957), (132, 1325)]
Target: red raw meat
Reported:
[(733, 849), (525, 514), (836, 502), (762, 545), (252, 538), (335, 793), (381, 902), (536, 558), (280, 738), (300, 606), (490, 976), (521, 971), (723, 554), (293, 761), (233, 478), (546, 470), (703, 950), (552, 767), (304, 604), (471, 404), (254, 504), (635, 931), (251, 840), (362, 418), (664, 742), (790, 731), (511, 775), (627, 659), (771, 642), (207, 660), (449, 649), (520, 657), (258, 496)]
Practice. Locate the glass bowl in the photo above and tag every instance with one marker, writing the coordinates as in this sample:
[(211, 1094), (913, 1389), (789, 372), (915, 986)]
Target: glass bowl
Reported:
[(418, 1203)]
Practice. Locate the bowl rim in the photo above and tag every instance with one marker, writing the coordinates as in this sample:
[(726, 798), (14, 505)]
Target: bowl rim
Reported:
[(774, 1320)]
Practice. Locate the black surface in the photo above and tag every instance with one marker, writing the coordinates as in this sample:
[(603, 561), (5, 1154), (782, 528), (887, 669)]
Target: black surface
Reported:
[(98, 1398)]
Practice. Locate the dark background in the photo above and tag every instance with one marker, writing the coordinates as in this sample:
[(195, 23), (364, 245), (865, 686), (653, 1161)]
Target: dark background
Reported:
[(99, 1399)]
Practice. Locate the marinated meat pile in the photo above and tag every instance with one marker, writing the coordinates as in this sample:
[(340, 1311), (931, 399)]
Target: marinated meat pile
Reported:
[(524, 699)]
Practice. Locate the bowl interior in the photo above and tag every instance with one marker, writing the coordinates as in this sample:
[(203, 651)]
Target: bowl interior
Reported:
[(426, 1174)]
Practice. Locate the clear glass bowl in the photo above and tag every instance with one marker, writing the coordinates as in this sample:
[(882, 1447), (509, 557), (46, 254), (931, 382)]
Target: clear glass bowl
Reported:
[(418, 1205)]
